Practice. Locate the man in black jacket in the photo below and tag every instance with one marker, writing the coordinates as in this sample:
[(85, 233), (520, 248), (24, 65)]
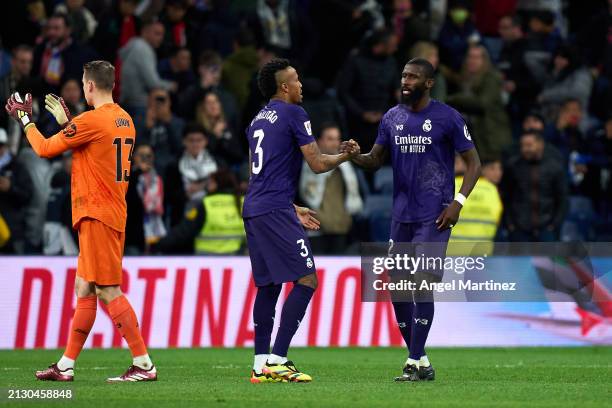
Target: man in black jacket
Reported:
[(59, 58), (535, 191), (368, 86)]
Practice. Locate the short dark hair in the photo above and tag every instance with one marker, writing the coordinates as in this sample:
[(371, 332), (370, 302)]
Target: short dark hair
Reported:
[(515, 19), (175, 50), (488, 162), (327, 125), (194, 127), (102, 73), (545, 16), (532, 132), (21, 48), (569, 100), (63, 16), (209, 57), (425, 65), (266, 79)]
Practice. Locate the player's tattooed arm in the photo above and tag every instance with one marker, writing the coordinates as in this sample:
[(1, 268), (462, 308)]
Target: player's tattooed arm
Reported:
[(449, 217), (321, 163), (371, 161)]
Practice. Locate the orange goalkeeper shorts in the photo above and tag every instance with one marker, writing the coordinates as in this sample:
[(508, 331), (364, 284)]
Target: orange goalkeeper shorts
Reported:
[(100, 253)]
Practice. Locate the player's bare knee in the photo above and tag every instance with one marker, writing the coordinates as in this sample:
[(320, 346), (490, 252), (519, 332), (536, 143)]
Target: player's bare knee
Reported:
[(108, 293), (82, 288), (309, 280)]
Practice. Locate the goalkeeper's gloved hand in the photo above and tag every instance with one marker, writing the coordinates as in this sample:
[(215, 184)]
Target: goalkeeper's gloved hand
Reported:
[(57, 107), (20, 109)]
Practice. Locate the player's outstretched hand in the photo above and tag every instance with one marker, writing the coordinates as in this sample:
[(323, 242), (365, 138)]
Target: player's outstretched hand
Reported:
[(449, 217), (20, 109), (306, 217), (57, 107)]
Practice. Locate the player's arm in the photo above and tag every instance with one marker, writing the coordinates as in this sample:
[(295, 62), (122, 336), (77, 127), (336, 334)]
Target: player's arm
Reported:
[(320, 163), (373, 160), (47, 148), (449, 217), (472, 172)]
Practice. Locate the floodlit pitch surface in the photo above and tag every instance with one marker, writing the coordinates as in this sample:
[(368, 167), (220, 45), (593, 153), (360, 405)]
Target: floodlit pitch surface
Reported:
[(347, 377)]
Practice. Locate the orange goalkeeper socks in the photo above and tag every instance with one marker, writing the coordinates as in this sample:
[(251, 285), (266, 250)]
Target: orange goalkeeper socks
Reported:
[(126, 322), (82, 322)]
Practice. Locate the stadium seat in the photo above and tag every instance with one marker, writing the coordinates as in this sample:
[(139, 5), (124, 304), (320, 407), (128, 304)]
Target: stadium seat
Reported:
[(378, 209), (383, 180)]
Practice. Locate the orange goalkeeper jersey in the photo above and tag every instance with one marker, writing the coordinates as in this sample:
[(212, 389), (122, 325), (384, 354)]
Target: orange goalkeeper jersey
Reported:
[(102, 141)]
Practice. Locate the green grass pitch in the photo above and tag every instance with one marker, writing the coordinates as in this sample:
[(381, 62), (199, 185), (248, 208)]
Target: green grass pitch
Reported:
[(354, 377)]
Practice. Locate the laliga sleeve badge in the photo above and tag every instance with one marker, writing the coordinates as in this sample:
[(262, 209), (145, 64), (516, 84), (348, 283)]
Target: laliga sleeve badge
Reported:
[(308, 128), (70, 130), (466, 133)]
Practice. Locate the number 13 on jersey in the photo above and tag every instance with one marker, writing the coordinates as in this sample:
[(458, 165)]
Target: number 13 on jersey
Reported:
[(257, 162)]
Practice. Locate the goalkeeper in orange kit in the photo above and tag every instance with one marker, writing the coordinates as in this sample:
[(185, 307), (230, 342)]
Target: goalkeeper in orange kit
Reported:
[(102, 141)]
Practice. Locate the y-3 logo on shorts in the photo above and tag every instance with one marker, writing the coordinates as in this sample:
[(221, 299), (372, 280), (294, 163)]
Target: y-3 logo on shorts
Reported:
[(424, 322)]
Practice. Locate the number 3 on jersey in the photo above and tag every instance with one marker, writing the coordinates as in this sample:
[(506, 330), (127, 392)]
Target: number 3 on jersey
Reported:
[(258, 159)]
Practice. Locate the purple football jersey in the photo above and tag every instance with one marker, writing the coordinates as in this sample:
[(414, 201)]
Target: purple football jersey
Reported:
[(275, 136), (422, 147)]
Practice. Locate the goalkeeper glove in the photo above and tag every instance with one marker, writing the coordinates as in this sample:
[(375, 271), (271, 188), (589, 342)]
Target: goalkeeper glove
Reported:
[(57, 107), (20, 109)]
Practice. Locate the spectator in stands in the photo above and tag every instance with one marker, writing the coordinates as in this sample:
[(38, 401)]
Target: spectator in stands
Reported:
[(429, 51), (139, 71), (71, 92), (58, 57), (115, 29), (223, 143), (162, 131), (83, 21), (31, 28), (409, 28), (285, 25), (334, 195), (19, 78), (186, 180), (533, 121), (239, 66), (518, 82), (177, 30), (567, 79), (59, 238), (368, 86), (212, 225), (145, 197), (535, 193), (543, 40), (209, 71), (481, 214), (565, 132), (39, 170), (480, 100), (177, 68), (15, 193), (601, 141), (255, 100), (457, 33)]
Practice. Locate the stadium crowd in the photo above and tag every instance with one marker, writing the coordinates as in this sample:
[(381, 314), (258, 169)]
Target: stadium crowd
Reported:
[(533, 80)]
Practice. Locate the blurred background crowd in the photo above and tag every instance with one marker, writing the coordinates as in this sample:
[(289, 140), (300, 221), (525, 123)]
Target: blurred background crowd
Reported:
[(531, 77)]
